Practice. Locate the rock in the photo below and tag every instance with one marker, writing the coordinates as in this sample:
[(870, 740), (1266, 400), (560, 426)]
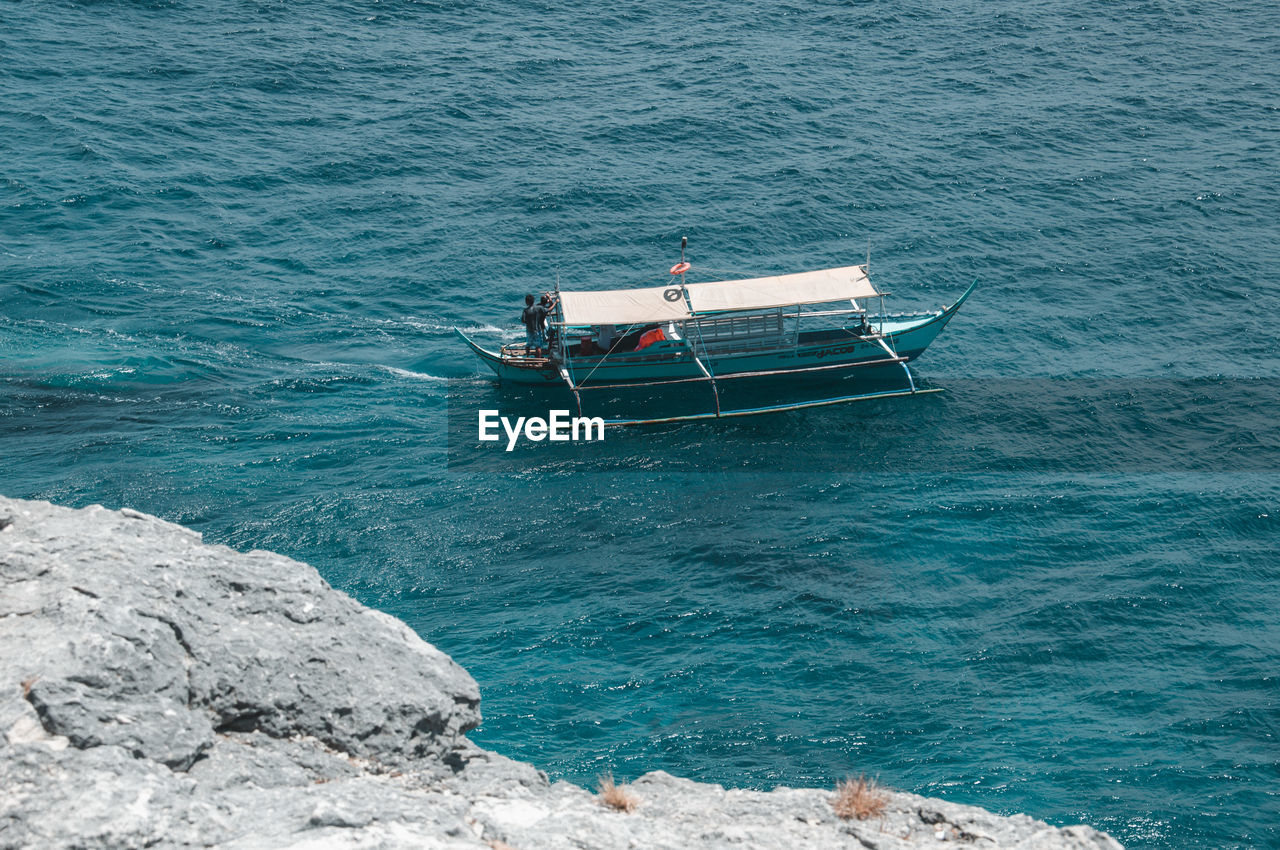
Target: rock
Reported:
[(152, 640), (155, 691)]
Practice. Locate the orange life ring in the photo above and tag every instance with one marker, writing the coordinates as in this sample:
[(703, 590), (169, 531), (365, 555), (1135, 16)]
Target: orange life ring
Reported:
[(680, 268)]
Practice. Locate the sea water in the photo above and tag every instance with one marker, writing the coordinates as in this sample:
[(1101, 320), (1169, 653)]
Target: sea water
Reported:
[(235, 238)]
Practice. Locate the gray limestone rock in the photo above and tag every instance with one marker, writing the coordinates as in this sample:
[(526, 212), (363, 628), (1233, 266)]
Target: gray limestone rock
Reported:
[(155, 691), (152, 640)]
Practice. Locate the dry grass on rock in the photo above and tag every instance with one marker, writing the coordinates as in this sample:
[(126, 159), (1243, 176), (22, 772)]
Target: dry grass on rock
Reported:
[(616, 797), (859, 798)]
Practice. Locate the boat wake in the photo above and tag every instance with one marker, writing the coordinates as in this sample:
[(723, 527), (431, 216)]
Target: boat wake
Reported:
[(439, 327), (415, 376)]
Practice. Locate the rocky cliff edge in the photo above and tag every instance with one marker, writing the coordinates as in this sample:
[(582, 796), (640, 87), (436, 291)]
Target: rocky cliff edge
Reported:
[(158, 692)]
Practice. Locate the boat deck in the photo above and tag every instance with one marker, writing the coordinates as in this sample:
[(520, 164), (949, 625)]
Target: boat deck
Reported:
[(519, 354)]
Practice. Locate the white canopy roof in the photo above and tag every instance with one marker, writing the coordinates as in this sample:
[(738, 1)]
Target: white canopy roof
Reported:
[(667, 303)]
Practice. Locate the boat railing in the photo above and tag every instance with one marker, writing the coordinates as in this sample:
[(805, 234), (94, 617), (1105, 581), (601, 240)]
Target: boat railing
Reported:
[(739, 325), (743, 332), (770, 331)]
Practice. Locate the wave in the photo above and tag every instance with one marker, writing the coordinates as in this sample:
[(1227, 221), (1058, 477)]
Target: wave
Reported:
[(469, 330), (416, 376)]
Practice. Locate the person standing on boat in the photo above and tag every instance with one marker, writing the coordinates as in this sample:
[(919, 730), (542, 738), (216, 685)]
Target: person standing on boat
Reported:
[(535, 325), (548, 302)]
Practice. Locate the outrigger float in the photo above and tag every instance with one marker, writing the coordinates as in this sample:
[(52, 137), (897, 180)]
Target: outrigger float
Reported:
[(715, 331)]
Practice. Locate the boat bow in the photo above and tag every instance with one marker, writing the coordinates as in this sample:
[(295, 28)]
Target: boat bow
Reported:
[(490, 357)]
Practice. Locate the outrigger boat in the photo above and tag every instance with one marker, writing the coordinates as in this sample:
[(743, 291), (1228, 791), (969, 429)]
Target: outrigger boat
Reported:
[(715, 331)]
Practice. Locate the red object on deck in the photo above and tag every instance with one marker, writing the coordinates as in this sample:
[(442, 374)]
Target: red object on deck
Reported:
[(680, 268), (650, 337)]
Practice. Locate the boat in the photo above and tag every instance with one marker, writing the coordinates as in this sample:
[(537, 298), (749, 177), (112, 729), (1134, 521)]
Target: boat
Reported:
[(828, 321)]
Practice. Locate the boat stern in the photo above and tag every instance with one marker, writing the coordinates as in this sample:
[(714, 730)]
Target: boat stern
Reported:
[(520, 369)]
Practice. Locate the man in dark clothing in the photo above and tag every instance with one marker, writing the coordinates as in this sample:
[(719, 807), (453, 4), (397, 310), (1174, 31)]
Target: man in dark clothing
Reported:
[(535, 325), (548, 302)]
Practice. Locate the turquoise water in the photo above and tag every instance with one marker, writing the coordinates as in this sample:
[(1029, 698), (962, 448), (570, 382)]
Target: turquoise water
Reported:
[(234, 237)]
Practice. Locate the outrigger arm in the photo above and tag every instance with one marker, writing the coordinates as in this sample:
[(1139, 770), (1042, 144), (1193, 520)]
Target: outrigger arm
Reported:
[(564, 349), (902, 361), (715, 389), (564, 373), (710, 377)]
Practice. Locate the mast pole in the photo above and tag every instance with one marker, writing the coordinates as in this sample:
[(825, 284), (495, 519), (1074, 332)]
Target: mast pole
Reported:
[(564, 349), (566, 365)]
